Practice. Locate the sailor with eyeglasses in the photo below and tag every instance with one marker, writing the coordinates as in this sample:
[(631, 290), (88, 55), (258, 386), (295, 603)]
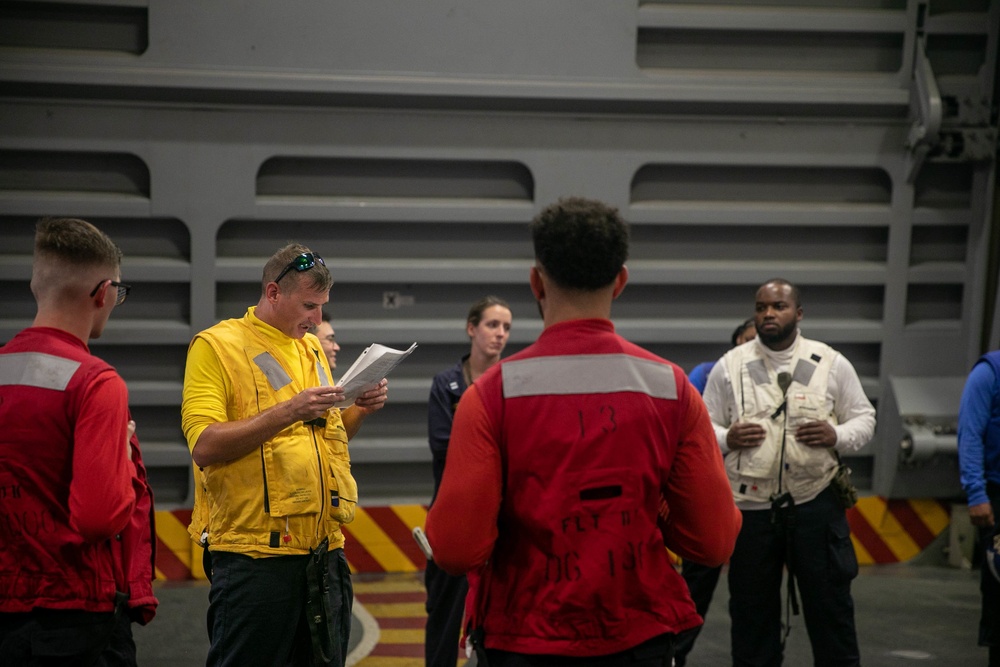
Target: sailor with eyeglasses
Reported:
[(75, 504)]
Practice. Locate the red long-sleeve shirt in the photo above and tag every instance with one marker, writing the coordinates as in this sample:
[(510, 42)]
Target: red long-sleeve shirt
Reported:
[(560, 459), (68, 479)]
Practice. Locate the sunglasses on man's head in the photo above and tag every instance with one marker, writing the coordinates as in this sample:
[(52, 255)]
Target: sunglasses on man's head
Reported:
[(303, 262), (123, 291)]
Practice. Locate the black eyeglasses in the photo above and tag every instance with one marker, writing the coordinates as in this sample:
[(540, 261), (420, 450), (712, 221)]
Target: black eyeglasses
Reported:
[(303, 262), (123, 291)]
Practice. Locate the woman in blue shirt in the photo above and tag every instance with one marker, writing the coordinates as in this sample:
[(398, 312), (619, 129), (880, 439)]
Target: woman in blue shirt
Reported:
[(488, 328)]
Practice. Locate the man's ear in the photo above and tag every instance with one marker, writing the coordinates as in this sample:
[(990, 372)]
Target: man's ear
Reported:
[(271, 291), (620, 280), (102, 294), (536, 282)]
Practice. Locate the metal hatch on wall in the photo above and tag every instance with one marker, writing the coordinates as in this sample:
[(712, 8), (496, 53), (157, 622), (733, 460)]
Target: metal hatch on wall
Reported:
[(917, 454)]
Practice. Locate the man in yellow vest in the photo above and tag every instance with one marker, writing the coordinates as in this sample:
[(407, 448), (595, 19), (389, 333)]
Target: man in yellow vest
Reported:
[(273, 480)]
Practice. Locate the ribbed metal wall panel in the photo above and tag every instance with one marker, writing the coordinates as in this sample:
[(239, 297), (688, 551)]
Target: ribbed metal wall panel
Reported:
[(411, 145)]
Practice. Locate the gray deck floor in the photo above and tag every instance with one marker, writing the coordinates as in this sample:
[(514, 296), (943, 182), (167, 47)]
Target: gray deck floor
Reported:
[(906, 615)]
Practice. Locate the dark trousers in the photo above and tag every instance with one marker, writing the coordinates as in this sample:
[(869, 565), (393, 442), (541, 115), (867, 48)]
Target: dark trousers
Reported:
[(54, 638), (257, 610), (657, 652), (701, 581), (445, 609), (823, 562), (989, 620)]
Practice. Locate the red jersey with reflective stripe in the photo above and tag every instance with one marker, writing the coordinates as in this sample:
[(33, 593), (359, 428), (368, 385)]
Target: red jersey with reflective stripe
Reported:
[(75, 508), (560, 461)]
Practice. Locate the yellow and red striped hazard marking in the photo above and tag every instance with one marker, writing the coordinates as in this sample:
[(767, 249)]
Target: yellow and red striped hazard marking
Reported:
[(396, 602), (177, 556), (380, 538), (893, 531)]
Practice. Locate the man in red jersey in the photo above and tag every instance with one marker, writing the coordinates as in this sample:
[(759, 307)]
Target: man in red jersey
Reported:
[(573, 465), (76, 557)]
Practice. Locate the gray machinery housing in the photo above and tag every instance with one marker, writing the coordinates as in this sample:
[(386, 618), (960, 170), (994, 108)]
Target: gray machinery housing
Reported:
[(847, 145)]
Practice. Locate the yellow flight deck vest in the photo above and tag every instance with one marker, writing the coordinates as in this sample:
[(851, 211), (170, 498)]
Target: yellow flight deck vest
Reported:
[(296, 489), (781, 464)]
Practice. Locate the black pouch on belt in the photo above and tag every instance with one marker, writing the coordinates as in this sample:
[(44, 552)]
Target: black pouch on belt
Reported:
[(317, 603), (843, 490)]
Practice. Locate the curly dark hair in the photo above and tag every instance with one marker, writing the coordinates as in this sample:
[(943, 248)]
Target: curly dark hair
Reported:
[(580, 243)]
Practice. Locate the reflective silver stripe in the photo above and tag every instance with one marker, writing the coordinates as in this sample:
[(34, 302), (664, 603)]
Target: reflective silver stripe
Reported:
[(803, 372), (758, 371), (272, 370), (588, 374), (37, 369), (323, 382)]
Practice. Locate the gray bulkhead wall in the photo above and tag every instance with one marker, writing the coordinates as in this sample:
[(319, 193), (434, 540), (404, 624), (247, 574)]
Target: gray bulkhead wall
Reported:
[(847, 145)]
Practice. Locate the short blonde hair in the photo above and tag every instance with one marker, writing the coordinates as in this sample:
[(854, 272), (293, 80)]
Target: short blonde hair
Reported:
[(77, 242), (319, 277)]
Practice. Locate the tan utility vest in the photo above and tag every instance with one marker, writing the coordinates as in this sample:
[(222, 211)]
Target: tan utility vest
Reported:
[(781, 464)]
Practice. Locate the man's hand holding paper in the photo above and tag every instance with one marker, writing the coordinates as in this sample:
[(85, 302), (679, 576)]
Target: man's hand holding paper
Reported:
[(373, 399)]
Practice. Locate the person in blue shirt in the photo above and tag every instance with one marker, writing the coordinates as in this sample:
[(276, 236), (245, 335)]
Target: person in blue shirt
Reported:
[(699, 374), (979, 466), (701, 579)]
